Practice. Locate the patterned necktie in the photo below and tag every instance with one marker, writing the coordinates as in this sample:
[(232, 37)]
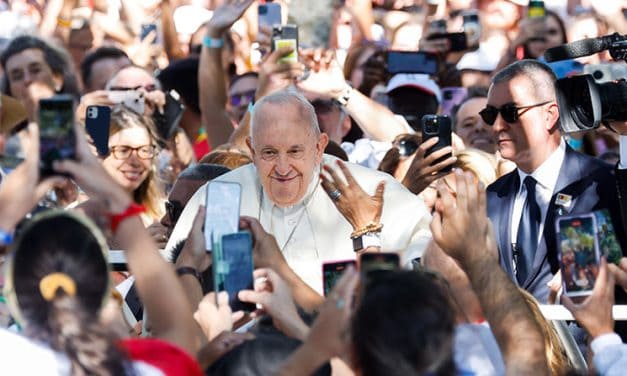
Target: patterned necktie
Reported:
[(527, 237)]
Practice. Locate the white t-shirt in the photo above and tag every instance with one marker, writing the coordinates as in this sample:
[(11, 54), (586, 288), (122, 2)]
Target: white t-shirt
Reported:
[(22, 356)]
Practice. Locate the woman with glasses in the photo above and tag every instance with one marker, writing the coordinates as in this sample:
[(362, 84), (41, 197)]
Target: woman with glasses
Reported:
[(132, 163)]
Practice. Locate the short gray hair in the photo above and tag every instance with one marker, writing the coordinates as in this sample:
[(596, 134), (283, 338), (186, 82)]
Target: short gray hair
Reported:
[(540, 75), (287, 96)]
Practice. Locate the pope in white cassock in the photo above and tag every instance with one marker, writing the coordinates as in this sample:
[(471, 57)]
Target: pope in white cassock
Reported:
[(282, 190)]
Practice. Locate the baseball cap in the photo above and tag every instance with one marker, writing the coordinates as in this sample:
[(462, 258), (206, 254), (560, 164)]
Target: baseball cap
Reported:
[(12, 113), (418, 81)]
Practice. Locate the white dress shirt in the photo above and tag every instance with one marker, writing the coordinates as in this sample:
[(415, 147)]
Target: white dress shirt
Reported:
[(546, 177)]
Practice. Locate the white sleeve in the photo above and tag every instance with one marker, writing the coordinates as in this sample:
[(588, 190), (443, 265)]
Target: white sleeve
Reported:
[(622, 164), (610, 354)]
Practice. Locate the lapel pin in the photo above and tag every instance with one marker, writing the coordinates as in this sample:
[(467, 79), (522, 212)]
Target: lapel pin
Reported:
[(563, 200)]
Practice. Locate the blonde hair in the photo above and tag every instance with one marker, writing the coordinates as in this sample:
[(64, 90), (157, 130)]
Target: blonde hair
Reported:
[(481, 164), (149, 193), (556, 358)]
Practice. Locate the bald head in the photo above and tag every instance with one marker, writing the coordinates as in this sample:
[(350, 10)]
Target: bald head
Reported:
[(284, 103)]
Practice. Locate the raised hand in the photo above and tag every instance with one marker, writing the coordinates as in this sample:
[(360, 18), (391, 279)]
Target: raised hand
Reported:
[(422, 172), (275, 75), (225, 15), (351, 200)]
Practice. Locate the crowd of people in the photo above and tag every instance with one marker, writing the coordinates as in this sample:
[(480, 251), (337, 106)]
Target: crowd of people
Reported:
[(106, 267)]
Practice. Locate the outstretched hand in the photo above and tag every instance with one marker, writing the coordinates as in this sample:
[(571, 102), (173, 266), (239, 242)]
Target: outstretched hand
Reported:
[(225, 15), (595, 312), (460, 225)]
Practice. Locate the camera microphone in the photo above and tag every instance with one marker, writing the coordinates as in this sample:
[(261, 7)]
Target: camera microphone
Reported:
[(584, 47)]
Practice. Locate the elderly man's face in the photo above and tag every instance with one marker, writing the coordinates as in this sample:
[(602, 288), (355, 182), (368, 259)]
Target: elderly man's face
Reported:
[(519, 140), (285, 152)]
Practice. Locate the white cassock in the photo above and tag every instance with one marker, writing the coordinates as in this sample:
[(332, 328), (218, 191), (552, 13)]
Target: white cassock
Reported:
[(313, 231)]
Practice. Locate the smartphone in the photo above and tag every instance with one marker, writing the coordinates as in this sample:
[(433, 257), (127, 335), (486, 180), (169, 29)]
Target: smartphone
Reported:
[(536, 9), (457, 41), (472, 28), (286, 36), (147, 29), (168, 121), (452, 96), (269, 14), (57, 139), (412, 62), (132, 99), (437, 126), (578, 253), (117, 260), (97, 122), (606, 237), (222, 211), (331, 273), (233, 268)]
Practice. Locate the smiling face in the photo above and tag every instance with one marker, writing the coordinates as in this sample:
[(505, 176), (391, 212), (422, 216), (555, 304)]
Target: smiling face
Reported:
[(129, 172), (471, 128), (532, 138), (285, 151)]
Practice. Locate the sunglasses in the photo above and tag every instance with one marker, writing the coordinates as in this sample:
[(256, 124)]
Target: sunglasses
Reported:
[(241, 99), (509, 112)]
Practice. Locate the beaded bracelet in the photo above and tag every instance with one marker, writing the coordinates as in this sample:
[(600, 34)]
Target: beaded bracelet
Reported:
[(369, 228)]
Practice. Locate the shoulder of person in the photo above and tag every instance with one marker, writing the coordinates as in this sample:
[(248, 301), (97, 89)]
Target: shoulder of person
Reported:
[(504, 182)]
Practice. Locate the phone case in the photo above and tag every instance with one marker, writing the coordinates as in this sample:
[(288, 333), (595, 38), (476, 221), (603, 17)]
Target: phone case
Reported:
[(269, 14), (286, 36), (233, 268), (331, 272), (437, 126), (578, 252), (97, 123)]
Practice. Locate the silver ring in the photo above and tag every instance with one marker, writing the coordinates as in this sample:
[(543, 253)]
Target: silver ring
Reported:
[(340, 303), (335, 194)]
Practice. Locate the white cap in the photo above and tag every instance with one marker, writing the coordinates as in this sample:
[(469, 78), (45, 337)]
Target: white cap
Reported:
[(479, 60), (419, 81), (188, 18)]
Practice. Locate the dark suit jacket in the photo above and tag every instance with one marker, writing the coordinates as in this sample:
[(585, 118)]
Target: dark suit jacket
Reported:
[(592, 185)]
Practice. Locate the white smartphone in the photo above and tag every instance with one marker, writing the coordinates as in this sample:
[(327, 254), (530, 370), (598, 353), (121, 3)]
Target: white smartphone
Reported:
[(222, 211)]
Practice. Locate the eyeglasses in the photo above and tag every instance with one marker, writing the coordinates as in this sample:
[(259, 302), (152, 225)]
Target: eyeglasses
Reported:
[(244, 98), (509, 112), (174, 209), (124, 152)]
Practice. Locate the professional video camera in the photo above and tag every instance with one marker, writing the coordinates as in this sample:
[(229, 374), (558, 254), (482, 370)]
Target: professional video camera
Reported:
[(584, 103)]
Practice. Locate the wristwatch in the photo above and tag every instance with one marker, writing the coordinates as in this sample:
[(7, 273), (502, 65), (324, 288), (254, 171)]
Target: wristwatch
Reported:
[(189, 270), (369, 239), (343, 98)]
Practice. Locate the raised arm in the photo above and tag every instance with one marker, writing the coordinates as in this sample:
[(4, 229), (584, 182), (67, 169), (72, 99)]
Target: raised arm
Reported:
[(157, 284), (211, 76), (461, 228)]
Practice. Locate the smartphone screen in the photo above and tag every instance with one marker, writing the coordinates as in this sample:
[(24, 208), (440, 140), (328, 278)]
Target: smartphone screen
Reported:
[(370, 263), (331, 273), (437, 126), (286, 36), (578, 253), (233, 268), (56, 131), (412, 62), (606, 237), (269, 14), (222, 213), (457, 41), (97, 122)]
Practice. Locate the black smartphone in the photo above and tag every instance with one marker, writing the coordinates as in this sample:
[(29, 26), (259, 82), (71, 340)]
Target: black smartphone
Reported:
[(412, 62), (57, 139), (437, 126), (457, 41), (222, 213), (168, 121), (332, 271), (147, 29), (578, 253), (97, 122), (269, 14), (233, 268), (286, 36)]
